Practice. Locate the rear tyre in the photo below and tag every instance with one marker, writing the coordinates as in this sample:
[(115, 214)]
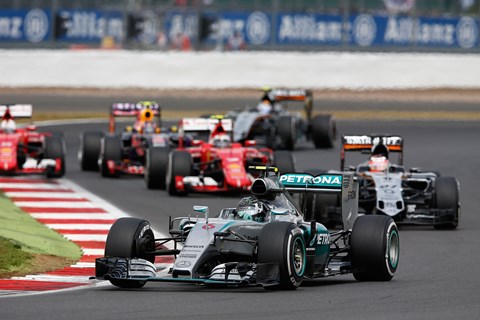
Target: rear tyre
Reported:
[(282, 243), (156, 167), (447, 197), (90, 145), (55, 149), (374, 248), (111, 151), (130, 238), (286, 131), (324, 131), (180, 164), (284, 161)]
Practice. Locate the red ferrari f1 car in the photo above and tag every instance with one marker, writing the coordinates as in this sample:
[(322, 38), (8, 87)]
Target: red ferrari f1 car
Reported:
[(26, 151), (206, 160)]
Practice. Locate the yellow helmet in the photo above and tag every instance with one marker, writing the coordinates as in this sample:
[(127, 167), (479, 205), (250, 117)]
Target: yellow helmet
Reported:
[(146, 115)]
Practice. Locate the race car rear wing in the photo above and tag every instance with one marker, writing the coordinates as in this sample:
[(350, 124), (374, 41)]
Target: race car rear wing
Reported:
[(289, 94), (202, 128), (204, 124), (344, 183), (365, 143), (276, 95), (127, 109), (17, 110)]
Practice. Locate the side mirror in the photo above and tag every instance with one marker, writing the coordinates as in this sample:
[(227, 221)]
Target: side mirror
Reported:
[(31, 127), (200, 209), (250, 143)]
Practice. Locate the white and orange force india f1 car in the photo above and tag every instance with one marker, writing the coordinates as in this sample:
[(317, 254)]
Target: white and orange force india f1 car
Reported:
[(412, 196), (263, 241)]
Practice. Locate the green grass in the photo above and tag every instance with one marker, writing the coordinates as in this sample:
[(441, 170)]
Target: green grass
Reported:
[(12, 257), (31, 235)]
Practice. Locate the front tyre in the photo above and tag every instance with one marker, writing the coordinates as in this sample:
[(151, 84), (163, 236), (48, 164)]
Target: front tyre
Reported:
[(156, 167), (55, 149), (375, 248), (111, 151), (447, 197), (283, 243), (130, 238), (180, 164), (89, 151)]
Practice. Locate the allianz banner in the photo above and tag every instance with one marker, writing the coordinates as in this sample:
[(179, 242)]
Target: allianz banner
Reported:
[(88, 25), (309, 29), (459, 32), (25, 25)]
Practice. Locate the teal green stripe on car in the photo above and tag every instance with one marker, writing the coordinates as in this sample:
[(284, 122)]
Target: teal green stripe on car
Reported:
[(227, 225), (305, 180), (393, 260)]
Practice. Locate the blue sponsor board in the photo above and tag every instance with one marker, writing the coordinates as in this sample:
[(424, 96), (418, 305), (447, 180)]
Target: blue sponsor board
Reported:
[(455, 32), (181, 26), (25, 25), (251, 28), (309, 29), (366, 31), (88, 25)]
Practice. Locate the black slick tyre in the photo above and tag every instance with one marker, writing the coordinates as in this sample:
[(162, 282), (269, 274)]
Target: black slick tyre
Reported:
[(55, 149), (283, 243), (156, 163), (130, 238), (375, 248), (447, 197), (324, 131), (286, 131), (179, 164), (284, 161), (89, 151), (111, 151)]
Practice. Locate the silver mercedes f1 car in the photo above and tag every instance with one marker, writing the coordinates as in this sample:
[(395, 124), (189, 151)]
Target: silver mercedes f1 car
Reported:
[(263, 241)]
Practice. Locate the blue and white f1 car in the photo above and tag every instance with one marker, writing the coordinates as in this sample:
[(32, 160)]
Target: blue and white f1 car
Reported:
[(263, 241)]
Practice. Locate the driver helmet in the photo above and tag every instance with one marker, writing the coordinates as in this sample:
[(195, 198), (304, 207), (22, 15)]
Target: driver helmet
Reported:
[(378, 163), (265, 106), (253, 211), (8, 125), (221, 141), (145, 122)]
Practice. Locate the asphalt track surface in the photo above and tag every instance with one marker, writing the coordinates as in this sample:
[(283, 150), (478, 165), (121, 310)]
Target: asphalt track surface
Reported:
[(437, 276), (45, 102)]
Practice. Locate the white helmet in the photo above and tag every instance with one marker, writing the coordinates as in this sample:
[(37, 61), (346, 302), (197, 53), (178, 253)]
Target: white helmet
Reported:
[(8, 125), (221, 141)]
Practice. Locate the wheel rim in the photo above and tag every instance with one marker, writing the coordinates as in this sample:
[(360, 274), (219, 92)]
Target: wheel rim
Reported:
[(298, 257), (393, 249)]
